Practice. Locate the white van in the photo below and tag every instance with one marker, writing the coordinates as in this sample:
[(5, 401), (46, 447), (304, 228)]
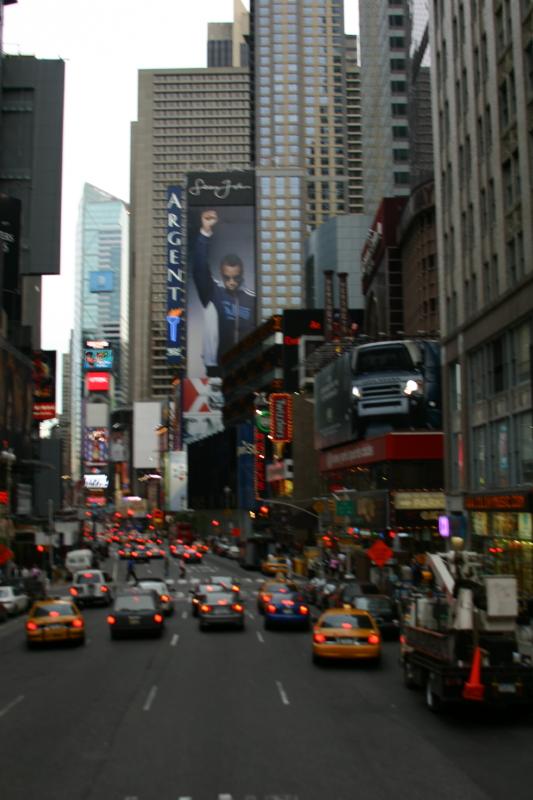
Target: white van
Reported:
[(78, 559)]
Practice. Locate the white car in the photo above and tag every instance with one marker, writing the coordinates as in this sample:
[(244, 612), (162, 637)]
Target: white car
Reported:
[(91, 587), (233, 551), (14, 600), (163, 588)]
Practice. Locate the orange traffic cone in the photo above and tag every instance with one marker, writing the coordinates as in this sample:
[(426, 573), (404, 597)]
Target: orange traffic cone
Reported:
[(473, 688)]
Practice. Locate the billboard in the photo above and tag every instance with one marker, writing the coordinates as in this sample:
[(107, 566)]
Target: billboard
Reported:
[(101, 281), (98, 359), (146, 420), (97, 381), (176, 473), (96, 481), (176, 283), (202, 405), (334, 403), (44, 384), (221, 301), (96, 450)]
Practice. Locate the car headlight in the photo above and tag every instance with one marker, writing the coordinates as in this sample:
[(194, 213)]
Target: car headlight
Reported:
[(356, 392), (412, 387)]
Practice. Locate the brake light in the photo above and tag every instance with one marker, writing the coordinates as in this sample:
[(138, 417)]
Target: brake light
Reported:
[(346, 625), (222, 602), (266, 597), (77, 623), (271, 608), (373, 639), (158, 618), (31, 626), (165, 598), (234, 587), (73, 591), (237, 607), (288, 602), (111, 619), (319, 638), (54, 614), (402, 638), (104, 589), (304, 610), (121, 552), (87, 575), (205, 609)]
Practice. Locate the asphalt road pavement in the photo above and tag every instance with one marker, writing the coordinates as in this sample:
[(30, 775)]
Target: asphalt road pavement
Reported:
[(231, 715)]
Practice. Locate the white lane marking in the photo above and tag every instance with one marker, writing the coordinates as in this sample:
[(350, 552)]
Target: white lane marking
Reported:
[(249, 614), (11, 705), (184, 615), (260, 637), (249, 580), (283, 693), (225, 797), (174, 640), (115, 571), (150, 699)]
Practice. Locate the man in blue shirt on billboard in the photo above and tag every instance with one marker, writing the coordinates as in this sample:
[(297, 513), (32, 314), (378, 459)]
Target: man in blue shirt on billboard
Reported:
[(234, 303)]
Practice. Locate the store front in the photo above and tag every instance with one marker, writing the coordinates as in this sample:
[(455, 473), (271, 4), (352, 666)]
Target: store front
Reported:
[(501, 526)]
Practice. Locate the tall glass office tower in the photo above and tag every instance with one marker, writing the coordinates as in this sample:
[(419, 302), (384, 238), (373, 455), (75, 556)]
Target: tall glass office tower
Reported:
[(101, 290)]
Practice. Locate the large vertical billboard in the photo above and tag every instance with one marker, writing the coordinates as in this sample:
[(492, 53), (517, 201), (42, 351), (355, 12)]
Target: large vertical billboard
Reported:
[(44, 384), (175, 278), (221, 298)]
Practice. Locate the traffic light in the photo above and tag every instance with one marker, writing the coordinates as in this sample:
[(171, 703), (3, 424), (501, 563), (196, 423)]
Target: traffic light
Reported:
[(39, 548), (215, 523)]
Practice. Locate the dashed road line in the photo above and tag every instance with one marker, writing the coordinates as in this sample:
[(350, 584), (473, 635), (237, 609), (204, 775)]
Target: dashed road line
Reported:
[(150, 699), (174, 640), (283, 694), (184, 615), (260, 637), (11, 705)]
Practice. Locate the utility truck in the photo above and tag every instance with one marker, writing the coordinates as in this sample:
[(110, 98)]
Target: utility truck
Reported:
[(459, 637)]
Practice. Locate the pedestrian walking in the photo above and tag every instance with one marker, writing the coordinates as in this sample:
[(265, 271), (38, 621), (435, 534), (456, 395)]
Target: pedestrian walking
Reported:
[(130, 570), (183, 571), (166, 565)]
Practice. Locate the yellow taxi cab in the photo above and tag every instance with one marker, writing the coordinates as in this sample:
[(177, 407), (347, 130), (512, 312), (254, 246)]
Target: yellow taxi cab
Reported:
[(56, 619), (346, 633), (272, 586), (274, 565)]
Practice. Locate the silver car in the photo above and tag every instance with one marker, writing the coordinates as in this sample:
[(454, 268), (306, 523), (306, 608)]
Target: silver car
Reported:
[(221, 608), (162, 588), (91, 587), (14, 600)]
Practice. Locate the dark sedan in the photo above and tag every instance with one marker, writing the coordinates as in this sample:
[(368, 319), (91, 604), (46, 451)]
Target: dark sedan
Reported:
[(221, 608), (286, 609), (136, 611), (201, 593), (382, 609)]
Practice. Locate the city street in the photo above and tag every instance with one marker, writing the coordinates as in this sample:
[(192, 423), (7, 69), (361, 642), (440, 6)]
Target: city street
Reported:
[(230, 714)]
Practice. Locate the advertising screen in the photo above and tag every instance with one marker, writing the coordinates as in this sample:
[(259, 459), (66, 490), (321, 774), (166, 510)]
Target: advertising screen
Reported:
[(96, 446), (101, 281), (221, 301), (98, 359), (44, 384), (97, 381)]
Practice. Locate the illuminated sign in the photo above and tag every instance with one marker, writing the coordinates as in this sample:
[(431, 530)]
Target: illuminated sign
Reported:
[(280, 417), (419, 500), (98, 344), (96, 445), (175, 277), (97, 481), (98, 359), (259, 470), (101, 281), (499, 502), (98, 381)]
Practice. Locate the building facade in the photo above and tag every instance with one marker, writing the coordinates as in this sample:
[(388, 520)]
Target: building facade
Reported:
[(101, 287), (482, 90)]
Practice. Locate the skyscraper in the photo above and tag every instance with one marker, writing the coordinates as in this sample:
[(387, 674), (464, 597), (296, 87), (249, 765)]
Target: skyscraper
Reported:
[(101, 285), (189, 120), (384, 37), (482, 87), (299, 129)]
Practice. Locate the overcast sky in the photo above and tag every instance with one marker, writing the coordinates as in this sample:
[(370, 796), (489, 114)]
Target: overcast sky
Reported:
[(103, 44)]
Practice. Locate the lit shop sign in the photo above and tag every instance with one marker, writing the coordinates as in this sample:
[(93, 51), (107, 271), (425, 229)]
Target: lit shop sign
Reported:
[(96, 500), (98, 381), (97, 344), (96, 481), (499, 502), (280, 417), (259, 466), (419, 500), (98, 359), (175, 277)]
